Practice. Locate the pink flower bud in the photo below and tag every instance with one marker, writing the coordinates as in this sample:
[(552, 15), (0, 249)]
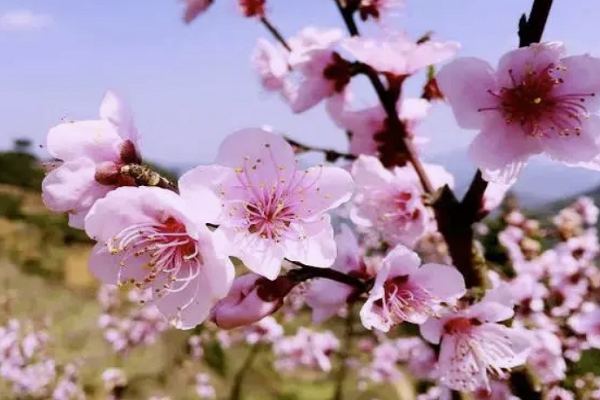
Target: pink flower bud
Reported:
[(251, 298)]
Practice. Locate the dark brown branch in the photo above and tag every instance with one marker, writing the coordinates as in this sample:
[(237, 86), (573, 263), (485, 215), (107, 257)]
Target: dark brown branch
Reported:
[(347, 14), (306, 272), (531, 29), (275, 32)]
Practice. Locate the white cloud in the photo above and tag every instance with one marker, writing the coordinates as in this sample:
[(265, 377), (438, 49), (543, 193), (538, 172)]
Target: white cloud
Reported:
[(24, 20)]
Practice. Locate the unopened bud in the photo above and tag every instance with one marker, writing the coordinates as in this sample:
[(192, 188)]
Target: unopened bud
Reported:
[(251, 298)]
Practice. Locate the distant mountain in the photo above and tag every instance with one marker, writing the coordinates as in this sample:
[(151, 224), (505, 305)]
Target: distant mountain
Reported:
[(542, 182)]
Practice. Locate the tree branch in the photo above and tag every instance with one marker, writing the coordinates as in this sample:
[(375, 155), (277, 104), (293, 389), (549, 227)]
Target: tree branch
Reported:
[(330, 154), (306, 272)]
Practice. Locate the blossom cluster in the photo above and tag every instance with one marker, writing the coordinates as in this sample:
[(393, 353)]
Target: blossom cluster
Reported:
[(181, 246)]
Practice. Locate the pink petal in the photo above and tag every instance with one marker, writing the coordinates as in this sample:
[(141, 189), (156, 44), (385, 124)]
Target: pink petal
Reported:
[(115, 110), (432, 330), (521, 61), (402, 261), (576, 148), (322, 189), (459, 365), (217, 268), (72, 187), (317, 247), (443, 281), (326, 297), (465, 83), (491, 311), (309, 93), (582, 76), (432, 52), (264, 156), (369, 315), (97, 140), (259, 255), (368, 171), (502, 150), (202, 186), (492, 337), (348, 250), (105, 266), (413, 109), (127, 206)]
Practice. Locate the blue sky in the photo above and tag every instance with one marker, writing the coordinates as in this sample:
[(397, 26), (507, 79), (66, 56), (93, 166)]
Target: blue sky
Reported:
[(189, 86)]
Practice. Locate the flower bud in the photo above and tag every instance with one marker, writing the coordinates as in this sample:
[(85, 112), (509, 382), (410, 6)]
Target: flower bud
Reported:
[(251, 298)]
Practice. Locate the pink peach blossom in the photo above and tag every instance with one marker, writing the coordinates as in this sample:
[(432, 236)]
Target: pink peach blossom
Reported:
[(399, 55), (366, 123), (473, 344), (536, 101), (91, 154), (271, 63), (154, 238), (390, 201), (405, 290), (270, 209)]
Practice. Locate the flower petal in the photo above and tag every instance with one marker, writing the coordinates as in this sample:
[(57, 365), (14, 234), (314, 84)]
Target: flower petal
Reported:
[(72, 187), (443, 281), (202, 186), (582, 76), (315, 244), (574, 149), (432, 330), (402, 261), (115, 110), (97, 140), (127, 206), (263, 156), (513, 66), (368, 171), (466, 83), (259, 255), (322, 189), (502, 150)]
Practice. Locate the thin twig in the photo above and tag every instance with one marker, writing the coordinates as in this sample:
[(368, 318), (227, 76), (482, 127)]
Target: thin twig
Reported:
[(330, 154), (275, 32)]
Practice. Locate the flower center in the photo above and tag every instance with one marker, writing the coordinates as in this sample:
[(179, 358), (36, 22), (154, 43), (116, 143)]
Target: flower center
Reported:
[(403, 298), (533, 102), (401, 210), (460, 325), (164, 250), (269, 219)]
